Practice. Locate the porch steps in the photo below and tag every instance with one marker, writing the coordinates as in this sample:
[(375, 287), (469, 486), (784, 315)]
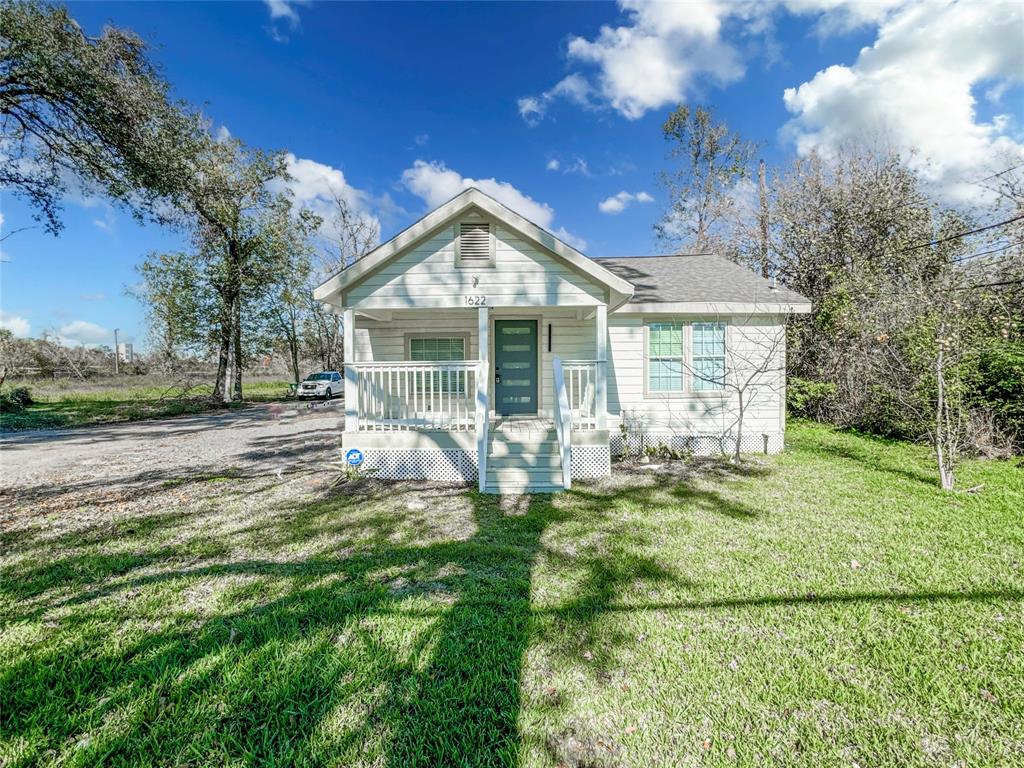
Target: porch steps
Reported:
[(523, 463)]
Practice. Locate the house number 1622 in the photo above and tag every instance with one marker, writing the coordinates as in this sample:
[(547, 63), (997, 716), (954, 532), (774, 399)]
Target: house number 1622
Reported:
[(476, 301)]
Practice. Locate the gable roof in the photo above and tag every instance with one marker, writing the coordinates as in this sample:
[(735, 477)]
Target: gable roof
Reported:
[(331, 290), (699, 279)]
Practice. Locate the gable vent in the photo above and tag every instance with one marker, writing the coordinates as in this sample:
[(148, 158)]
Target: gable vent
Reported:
[(475, 243)]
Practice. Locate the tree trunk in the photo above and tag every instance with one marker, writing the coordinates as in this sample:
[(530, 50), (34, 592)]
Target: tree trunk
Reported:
[(236, 394), (223, 355), (763, 220), (739, 430), (292, 332), (942, 455)]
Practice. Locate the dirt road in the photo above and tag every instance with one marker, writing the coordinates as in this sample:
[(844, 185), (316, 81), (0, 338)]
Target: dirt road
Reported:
[(262, 439)]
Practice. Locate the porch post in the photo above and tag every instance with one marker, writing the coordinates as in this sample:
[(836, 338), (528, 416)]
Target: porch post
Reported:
[(601, 388), (351, 374), (482, 408)]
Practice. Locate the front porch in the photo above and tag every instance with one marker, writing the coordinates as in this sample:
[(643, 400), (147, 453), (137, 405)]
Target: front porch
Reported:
[(441, 419)]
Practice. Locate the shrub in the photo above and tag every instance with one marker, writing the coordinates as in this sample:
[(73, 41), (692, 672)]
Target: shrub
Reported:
[(810, 399), (15, 399)]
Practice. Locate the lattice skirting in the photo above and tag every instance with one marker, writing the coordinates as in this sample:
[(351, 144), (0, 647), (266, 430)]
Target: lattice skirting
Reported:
[(698, 445), (450, 466), (589, 461)]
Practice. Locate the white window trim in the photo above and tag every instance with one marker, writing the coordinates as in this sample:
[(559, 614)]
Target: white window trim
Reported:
[(492, 240), (687, 391)]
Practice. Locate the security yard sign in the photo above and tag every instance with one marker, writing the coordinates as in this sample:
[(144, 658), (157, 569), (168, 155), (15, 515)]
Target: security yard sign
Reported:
[(354, 457)]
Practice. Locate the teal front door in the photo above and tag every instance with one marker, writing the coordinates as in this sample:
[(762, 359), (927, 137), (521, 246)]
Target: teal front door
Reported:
[(515, 366)]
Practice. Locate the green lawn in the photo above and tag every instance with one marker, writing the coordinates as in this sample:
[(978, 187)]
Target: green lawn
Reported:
[(828, 606), (77, 405)]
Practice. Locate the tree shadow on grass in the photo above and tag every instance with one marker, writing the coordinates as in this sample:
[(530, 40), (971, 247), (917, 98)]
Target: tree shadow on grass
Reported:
[(397, 639), (325, 666)]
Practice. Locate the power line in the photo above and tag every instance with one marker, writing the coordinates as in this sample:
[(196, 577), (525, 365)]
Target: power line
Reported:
[(961, 234), (958, 259), (990, 285), (997, 175)]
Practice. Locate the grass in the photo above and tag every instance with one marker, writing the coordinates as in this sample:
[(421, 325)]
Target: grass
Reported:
[(64, 405), (829, 606)]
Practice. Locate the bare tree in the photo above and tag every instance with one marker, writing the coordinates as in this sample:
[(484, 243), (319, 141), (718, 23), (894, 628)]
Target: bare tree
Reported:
[(754, 367), (347, 235), (710, 161)]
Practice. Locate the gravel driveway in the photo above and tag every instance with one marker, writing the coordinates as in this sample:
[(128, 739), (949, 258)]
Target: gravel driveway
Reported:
[(261, 439)]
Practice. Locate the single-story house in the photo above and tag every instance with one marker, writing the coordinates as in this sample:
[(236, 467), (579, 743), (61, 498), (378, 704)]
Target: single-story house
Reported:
[(480, 347)]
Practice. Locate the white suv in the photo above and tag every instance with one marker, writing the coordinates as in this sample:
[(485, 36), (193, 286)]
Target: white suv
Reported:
[(325, 384)]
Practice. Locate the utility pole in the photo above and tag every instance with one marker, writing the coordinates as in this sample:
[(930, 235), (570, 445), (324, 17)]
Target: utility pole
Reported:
[(117, 354)]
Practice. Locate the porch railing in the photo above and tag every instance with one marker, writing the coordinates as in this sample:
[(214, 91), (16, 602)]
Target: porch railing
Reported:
[(405, 396), (581, 392), (563, 420)]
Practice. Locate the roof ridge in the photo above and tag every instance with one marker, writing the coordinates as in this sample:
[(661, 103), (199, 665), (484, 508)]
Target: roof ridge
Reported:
[(660, 256)]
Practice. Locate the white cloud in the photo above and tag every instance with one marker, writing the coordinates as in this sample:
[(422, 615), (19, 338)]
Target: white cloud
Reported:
[(916, 85), (82, 332), (578, 165), (568, 237), (840, 16), (93, 297), (318, 186), (654, 59), (222, 133), (574, 88), (283, 18), (435, 183), (16, 324), (618, 203), (420, 139)]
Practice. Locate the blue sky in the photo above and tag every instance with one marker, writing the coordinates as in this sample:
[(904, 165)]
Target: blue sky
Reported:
[(553, 107)]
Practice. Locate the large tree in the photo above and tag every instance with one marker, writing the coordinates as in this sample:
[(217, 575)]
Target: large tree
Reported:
[(708, 161), (92, 112)]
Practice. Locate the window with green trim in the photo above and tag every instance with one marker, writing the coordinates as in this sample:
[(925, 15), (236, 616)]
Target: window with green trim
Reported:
[(665, 357), (708, 356), (439, 350)]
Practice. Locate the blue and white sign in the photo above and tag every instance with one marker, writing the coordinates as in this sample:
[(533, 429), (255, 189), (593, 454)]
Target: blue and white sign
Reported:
[(354, 457)]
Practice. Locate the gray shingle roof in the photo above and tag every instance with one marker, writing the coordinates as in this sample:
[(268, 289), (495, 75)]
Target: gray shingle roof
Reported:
[(702, 277)]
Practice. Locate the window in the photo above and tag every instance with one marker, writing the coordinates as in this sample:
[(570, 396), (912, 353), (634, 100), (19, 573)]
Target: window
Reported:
[(437, 349), (670, 364), (708, 356), (474, 246), (665, 357), (440, 349)]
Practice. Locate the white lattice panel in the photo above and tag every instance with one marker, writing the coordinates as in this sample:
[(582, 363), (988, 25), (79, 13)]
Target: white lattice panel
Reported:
[(451, 466), (589, 461), (698, 445)]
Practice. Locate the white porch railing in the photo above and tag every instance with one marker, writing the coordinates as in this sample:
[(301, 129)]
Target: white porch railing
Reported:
[(405, 396), (563, 421), (581, 392)]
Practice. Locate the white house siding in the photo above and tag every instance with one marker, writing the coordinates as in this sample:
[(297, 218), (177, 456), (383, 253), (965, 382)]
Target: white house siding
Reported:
[(385, 342), (694, 414), (571, 338), (427, 277)]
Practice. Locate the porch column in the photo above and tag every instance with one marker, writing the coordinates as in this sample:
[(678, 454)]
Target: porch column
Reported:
[(482, 407), (601, 387), (351, 374)]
